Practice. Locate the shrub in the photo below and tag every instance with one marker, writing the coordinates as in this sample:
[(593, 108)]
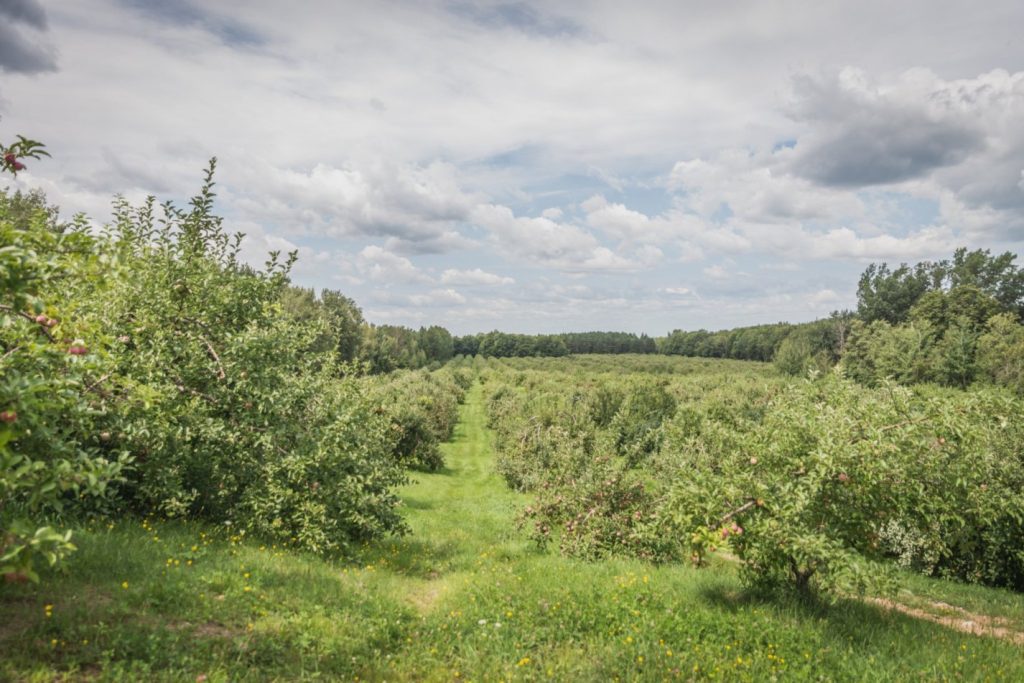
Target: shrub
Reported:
[(54, 435), (835, 472)]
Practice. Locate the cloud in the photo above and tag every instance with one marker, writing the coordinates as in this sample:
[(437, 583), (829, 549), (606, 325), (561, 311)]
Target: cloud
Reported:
[(438, 297), (598, 154), (822, 296), (383, 266), (187, 14), (754, 187), (863, 134), (920, 132), (24, 11), (24, 51), (718, 272), (419, 208), (546, 242), (475, 276), (518, 16)]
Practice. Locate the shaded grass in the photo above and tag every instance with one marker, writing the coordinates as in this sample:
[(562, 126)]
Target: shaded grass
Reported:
[(464, 597)]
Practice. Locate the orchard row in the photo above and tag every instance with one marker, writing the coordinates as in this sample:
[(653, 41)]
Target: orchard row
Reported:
[(819, 483), (145, 368)]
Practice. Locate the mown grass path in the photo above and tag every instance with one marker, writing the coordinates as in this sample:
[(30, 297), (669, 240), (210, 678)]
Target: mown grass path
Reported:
[(465, 596)]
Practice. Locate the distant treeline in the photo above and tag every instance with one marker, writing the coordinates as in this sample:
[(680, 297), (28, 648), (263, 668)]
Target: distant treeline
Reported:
[(950, 322), (383, 348), (504, 345)]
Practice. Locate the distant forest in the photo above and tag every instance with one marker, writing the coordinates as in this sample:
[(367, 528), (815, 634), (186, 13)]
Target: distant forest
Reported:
[(950, 322)]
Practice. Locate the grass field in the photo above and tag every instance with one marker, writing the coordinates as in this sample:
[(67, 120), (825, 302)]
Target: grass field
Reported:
[(463, 597)]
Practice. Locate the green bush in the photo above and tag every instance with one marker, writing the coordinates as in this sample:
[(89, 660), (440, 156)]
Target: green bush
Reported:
[(836, 475), (55, 445)]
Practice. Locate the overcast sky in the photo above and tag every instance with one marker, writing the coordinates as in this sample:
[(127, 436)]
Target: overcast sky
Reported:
[(541, 167)]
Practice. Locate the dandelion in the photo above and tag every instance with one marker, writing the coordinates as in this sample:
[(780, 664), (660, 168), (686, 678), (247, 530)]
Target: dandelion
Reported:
[(124, 584)]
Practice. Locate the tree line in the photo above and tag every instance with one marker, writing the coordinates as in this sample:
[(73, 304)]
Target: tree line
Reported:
[(950, 322)]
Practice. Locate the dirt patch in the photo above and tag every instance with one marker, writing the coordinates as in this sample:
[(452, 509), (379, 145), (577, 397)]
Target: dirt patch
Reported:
[(426, 595), (956, 618), (208, 629)]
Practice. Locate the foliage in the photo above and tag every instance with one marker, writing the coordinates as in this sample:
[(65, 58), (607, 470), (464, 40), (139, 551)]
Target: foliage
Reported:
[(891, 295), (148, 356), (422, 408), (1000, 353), (888, 295), (54, 438), (23, 148), (338, 315), (879, 351), (817, 484), (462, 598)]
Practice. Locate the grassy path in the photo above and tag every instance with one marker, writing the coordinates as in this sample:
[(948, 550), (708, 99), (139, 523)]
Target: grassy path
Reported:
[(460, 517), (463, 597)]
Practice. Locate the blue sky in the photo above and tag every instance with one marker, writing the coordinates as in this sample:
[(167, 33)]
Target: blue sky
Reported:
[(541, 167)]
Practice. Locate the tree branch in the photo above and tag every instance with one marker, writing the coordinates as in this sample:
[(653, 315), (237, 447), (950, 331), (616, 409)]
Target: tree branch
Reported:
[(26, 316)]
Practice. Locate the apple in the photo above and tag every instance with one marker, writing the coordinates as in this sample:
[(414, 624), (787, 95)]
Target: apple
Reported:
[(8, 416)]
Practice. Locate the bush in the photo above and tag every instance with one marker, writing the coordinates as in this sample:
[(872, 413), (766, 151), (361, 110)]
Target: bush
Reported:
[(836, 475), (54, 434), (172, 355), (1001, 353), (423, 409)]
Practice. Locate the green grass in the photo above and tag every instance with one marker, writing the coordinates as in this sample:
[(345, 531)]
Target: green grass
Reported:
[(464, 597)]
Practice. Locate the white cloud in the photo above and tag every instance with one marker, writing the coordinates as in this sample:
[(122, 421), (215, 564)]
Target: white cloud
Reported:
[(546, 242), (476, 276), (823, 296), (718, 272), (438, 297), (382, 266), (429, 136)]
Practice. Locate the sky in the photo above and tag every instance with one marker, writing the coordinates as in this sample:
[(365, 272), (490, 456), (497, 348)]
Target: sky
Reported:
[(542, 167)]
